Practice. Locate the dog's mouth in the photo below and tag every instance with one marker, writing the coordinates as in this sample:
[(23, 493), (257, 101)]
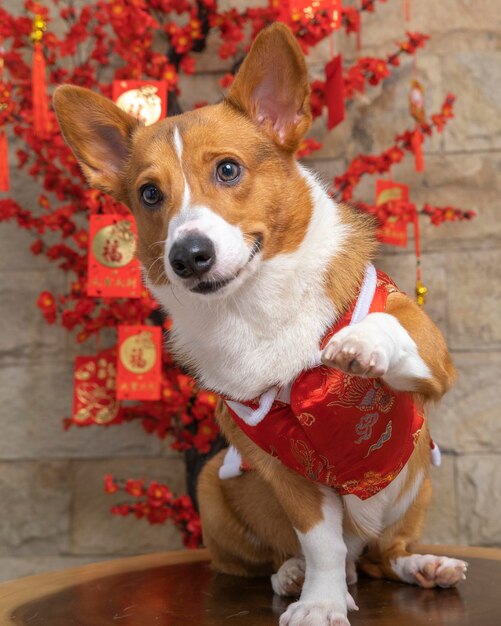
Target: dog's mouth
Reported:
[(211, 286)]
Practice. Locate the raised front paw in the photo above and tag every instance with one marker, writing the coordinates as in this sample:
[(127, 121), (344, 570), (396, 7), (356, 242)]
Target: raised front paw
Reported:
[(313, 614), (357, 350)]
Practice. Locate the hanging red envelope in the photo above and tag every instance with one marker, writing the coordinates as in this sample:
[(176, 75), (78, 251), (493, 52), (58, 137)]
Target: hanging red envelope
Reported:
[(146, 100), (394, 231), (334, 91), (295, 10), (139, 363), (113, 270), (94, 391)]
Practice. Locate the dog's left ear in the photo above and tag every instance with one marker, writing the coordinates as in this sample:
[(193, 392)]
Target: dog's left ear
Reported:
[(272, 87), (99, 133)]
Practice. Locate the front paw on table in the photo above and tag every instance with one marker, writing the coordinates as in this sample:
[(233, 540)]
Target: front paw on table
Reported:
[(313, 614)]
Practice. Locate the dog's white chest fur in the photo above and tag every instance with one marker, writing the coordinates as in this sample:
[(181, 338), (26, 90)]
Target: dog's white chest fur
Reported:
[(270, 329)]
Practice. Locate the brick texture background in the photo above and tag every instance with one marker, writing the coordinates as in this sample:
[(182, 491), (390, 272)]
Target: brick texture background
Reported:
[(54, 511)]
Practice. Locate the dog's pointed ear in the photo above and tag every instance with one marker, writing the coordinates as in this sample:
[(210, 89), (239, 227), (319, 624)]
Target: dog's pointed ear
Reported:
[(272, 87), (99, 133)]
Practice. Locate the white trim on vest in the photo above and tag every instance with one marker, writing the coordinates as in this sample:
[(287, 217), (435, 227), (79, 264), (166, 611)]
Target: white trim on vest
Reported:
[(366, 295), (252, 417), (231, 467)]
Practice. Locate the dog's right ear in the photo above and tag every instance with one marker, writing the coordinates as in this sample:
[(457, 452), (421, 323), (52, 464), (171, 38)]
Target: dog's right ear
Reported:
[(272, 87), (99, 133)]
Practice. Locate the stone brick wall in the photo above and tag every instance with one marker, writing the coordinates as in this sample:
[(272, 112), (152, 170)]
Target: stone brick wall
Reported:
[(54, 512)]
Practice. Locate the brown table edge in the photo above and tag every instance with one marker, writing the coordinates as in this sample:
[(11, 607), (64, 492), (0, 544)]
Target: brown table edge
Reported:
[(460, 552), (14, 593), (17, 592)]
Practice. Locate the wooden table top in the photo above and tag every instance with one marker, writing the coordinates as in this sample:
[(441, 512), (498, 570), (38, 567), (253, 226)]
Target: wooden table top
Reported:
[(179, 589)]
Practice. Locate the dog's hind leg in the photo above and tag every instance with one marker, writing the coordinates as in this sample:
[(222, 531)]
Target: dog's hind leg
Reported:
[(244, 527), (391, 557)]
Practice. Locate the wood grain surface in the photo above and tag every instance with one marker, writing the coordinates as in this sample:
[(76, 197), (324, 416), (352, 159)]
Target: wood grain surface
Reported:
[(179, 589)]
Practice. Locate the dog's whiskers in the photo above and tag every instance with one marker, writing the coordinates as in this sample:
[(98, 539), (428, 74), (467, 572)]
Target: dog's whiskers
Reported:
[(157, 243), (162, 274)]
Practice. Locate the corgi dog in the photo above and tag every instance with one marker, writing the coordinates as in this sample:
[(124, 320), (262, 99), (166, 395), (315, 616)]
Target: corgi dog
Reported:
[(323, 366)]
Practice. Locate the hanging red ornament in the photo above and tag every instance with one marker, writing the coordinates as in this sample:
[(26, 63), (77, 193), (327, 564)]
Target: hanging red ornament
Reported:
[(146, 100), (113, 270), (94, 391), (334, 91), (421, 290), (394, 230), (293, 11), (416, 102), (417, 148), (41, 117), (139, 363), (417, 110)]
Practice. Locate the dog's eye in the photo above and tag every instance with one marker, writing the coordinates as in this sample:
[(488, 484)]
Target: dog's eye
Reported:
[(151, 195), (228, 172)]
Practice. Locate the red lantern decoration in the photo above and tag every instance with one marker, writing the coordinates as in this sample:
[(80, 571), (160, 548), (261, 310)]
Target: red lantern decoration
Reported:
[(41, 118)]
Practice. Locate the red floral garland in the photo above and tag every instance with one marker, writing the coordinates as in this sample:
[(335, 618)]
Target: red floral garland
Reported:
[(157, 504), (132, 30)]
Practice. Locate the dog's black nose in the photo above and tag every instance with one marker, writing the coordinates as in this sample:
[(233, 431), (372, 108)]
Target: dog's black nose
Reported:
[(192, 255)]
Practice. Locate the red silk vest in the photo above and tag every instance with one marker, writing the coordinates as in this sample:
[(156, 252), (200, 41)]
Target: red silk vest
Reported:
[(351, 433)]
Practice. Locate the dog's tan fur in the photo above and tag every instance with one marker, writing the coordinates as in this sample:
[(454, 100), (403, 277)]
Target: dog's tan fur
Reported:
[(251, 522)]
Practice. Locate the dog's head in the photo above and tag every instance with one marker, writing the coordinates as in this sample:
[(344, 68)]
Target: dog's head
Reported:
[(216, 191)]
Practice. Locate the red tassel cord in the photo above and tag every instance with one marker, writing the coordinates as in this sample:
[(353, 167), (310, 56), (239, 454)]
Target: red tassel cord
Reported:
[(6, 108), (407, 10), (417, 147), (41, 117), (4, 161), (421, 290), (334, 91)]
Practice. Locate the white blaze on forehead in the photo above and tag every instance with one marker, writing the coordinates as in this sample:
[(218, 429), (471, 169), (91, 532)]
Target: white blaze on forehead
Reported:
[(178, 146)]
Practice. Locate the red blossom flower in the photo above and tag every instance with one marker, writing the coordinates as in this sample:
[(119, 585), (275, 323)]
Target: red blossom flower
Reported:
[(37, 247), (81, 238), (158, 494), (110, 486), (47, 304), (226, 80), (121, 509), (188, 65), (134, 487), (307, 147)]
